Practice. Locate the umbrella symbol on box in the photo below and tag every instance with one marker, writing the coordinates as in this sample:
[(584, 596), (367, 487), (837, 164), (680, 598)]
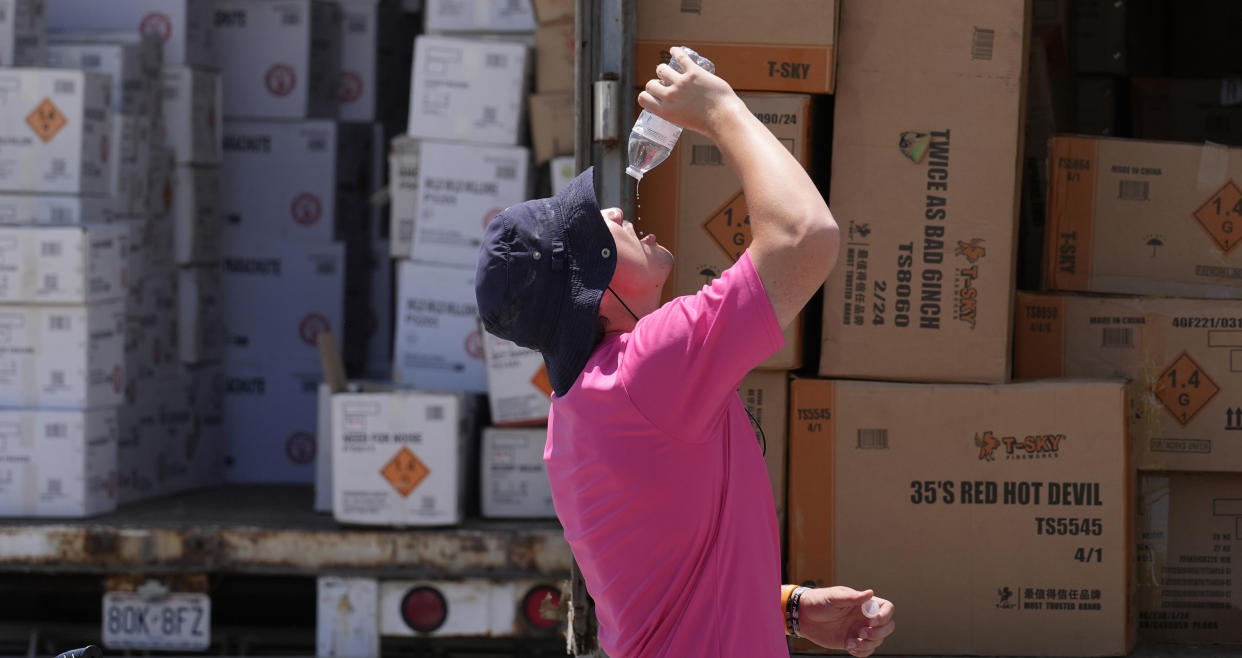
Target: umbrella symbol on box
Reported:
[(1153, 243)]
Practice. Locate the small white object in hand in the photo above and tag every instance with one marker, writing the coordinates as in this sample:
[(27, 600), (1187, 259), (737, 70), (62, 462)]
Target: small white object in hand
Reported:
[(871, 608)]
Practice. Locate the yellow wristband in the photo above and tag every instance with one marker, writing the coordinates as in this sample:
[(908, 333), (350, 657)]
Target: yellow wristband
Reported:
[(786, 590)]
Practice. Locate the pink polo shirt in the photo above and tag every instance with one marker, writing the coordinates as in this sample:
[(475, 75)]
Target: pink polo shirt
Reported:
[(660, 484)]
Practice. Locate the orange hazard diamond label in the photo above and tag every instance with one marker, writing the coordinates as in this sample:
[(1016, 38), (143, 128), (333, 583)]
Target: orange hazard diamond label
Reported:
[(730, 227), (46, 120), (1185, 389), (1221, 217), (541, 381), (405, 471)]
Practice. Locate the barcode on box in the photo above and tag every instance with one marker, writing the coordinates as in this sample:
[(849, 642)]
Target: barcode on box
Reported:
[(64, 87), (692, 6), (56, 431), (291, 18), (51, 282), (49, 249), (496, 61), (982, 43), (707, 155), (872, 439), (61, 215), (356, 24), (1133, 190), (506, 172), (54, 487), (58, 323), (435, 413), (326, 267), (57, 377), (1117, 337), (489, 115), (91, 61), (317, 145)]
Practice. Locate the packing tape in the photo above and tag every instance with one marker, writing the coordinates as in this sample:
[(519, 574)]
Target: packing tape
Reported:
[(1213, 165)]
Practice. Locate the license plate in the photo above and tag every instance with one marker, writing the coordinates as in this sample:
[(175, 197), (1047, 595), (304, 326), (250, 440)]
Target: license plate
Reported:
[(175, 621)]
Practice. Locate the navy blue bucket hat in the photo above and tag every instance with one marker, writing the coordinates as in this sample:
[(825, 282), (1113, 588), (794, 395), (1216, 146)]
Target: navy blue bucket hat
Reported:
[(543, 268)]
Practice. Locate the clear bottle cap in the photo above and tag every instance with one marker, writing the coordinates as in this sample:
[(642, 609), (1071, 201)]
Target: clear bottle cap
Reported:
[(871, 608), (634, 173)]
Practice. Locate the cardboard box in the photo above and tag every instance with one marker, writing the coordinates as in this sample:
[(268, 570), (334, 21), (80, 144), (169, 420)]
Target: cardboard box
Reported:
[(300, 205), (1143, 218), (59, 357), (149, 45), (923, 286), (403, 171), (439, 345), (184, 26), (201, 338), (518, 388), (513, 478), (198, 223), (1188, 110), (193, 114), (372, 43), (1183, 358), (1001, 499), (564, 169), (556, 49), (461, 187), (132, 92), (54, 128), (63, 264), (766, 396), (261, 446), (553, 11), (478, 16), (397, 458), (23, 33), (324, 450), (1120, 38), (55, 210), (57, 463), (468, 90), (1190, 526), (695, 206), (279, 297), (279, 60), (780, 45), (551, 125)]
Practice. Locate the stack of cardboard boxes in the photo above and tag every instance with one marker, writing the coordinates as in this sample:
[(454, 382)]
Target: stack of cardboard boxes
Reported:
[(299, 230), (915, 466), (693, 202), (402, 452), (1144, 282), (92, 263)]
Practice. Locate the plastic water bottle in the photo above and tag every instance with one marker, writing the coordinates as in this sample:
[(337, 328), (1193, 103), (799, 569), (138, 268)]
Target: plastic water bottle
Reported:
[(653, 138)]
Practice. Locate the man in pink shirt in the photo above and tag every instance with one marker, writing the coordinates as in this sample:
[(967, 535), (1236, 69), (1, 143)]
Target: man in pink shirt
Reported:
[(656, 474)]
